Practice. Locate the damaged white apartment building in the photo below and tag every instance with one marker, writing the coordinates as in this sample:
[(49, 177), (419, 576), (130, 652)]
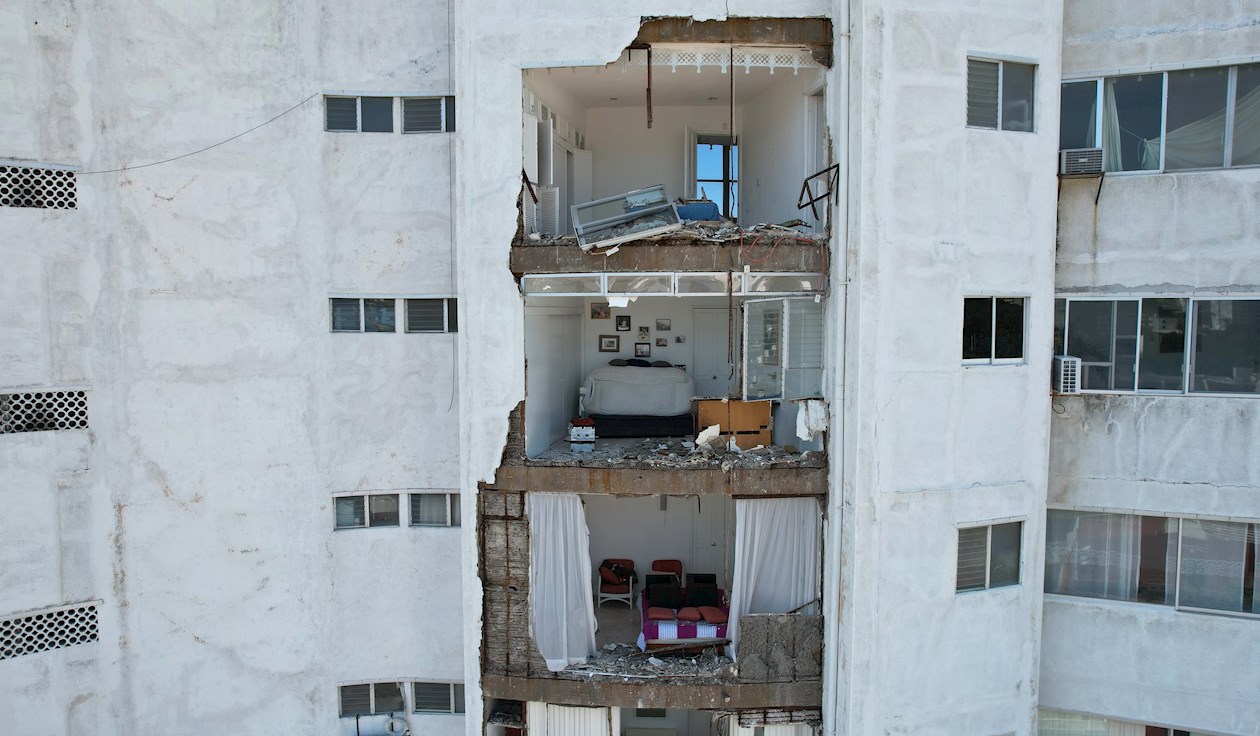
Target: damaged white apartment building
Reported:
[(808, 368)]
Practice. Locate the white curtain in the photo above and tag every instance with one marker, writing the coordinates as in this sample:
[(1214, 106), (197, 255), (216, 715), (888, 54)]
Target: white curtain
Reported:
[(778, 543), (561, 608), (1111, 143), (1093, 554), (1201, 144), (1247, 129), (545, 719), (1213, 564)]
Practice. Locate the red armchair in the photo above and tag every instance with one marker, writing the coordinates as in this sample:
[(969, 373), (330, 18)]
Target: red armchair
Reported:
[(673, 567), (616, 581)]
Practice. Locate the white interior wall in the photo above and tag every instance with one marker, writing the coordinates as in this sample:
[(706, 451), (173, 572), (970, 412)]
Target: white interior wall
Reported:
[(772, 149), (629, 155), (635, 527), (643, 313), (682, 722)]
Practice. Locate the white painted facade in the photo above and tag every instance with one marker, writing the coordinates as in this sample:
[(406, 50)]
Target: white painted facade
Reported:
[(190, 299)]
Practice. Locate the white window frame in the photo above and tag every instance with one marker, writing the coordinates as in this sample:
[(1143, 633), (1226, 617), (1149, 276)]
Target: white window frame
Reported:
[(402, 689), (992, 360), (1231, 89), (1002, 61), (455, 703), (1191, 344), (395, 112), (785, 348), (362, 314), (743, 280), (1176, 604), (367, 511), (450, 497), (988, 553)]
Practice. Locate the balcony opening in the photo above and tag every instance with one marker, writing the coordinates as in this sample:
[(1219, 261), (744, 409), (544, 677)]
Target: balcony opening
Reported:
[(686, 141), (553, 719), (639, 372), (702, 589)]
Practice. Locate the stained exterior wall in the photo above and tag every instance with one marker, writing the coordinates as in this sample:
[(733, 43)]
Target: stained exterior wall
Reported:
[(1178, 234), (191, 299), (940, 211)]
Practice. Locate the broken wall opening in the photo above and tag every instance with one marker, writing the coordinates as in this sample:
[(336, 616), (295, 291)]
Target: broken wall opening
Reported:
[(738, 122), (666, 367)]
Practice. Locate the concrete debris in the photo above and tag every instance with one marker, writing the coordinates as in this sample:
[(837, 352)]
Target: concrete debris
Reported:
[(811, 418), (626, 661), (675, 452), (709, 232)]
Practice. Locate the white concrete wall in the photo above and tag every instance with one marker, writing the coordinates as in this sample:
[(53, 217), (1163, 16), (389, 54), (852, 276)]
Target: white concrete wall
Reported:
[(940, 211), (1157, 664), (1179, 234), (191, 297)]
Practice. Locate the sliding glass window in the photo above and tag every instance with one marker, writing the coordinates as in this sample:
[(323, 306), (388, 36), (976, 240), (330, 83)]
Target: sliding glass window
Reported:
[(1166, 121)]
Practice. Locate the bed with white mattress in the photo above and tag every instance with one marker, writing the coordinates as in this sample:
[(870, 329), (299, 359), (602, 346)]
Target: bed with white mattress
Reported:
[(639, 401)]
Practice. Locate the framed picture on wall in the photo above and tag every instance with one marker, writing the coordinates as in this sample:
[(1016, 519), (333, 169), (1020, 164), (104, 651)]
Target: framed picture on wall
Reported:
[(662, 325), (623, 323), (645, 333), (662, 342), (643, 350), (599, 310), (610, 343)]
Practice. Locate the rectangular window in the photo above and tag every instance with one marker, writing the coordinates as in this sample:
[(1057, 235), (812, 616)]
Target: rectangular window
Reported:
[(435, 509), (365, 699), (1162, 345), (438, 697), (432, 315), (1226, 356), (1218, 566), (1103, 334), (366, 510), (362, 315), (717, 172), (1000, 94), (362, 114), (1166, 121), (993, 330), (428, 114), (1116, 556), (989, 556)]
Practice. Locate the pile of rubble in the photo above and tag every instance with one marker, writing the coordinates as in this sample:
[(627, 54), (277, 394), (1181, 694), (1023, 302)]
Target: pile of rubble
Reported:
[(626, 661), (677, 452)]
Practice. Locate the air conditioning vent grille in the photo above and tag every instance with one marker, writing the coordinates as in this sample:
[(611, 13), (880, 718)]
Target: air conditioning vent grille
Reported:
[(1080, 161)]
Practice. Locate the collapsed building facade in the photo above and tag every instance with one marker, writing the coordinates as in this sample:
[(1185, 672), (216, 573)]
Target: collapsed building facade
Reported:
[(294, 414)]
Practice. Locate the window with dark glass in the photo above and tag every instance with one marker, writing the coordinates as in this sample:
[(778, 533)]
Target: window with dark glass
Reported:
[(1000, 94), (989, 556), (993, 329)]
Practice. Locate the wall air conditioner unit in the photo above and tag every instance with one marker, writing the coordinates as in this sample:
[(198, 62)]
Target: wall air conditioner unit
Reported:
[(549, 212), (1080, 162), (1066, 378)]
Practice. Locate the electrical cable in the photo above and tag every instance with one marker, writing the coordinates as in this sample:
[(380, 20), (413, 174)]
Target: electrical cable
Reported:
[(200, 150)]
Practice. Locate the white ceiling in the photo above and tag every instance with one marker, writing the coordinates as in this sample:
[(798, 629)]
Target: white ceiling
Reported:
[(597, 86)]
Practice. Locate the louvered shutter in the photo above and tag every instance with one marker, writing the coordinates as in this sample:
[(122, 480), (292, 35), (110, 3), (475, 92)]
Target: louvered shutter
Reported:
[(973, 547), (422, 115), (341, 113), (426, 315), (356, 700), (345, 315), (982, 93), (433, 697)]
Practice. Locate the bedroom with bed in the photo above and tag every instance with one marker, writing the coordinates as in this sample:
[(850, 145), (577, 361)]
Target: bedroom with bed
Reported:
[(641, 367)]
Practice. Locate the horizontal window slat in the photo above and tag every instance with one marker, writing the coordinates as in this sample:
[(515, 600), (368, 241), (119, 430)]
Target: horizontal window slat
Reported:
[(423, 115)]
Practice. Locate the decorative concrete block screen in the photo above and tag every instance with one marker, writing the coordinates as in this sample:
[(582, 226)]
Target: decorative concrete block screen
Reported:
[(51, 628), (43, 411), (25, 186)]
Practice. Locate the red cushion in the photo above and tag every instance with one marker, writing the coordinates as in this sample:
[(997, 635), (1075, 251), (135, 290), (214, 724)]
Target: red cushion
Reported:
[(713, 615), (656, 613), (609, 576), (689, 614), (607, 588)]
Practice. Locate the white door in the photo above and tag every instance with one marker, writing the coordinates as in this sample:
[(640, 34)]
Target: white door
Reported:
[(708, 536), (552, 377), (716, 337)]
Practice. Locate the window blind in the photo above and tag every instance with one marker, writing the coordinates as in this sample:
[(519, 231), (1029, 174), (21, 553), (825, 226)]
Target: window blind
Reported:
[(422, 115), (973, 546), (982, 93)]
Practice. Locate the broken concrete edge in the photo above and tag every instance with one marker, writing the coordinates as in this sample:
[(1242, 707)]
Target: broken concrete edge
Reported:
[(656, 694), (816, 34), (761, 251)]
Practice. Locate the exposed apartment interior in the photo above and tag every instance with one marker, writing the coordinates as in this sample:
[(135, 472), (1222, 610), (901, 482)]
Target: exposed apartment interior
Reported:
[(714, 156)]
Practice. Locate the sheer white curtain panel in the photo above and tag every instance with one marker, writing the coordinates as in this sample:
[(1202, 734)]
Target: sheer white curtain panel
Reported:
[(561, 608)]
